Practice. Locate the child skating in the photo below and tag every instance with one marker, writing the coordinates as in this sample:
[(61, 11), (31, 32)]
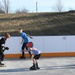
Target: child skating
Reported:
[(3, 48), (35, 55), (24, 42)]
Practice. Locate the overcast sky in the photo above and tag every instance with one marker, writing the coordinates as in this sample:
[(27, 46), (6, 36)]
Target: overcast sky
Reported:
[(43, 5)]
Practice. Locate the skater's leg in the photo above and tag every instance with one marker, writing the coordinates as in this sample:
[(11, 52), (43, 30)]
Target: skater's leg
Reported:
[(23, 54), (33, 59), (23, 46), (29, 52), (1, 57), (37, 57), (23, 57), (34, 65), (37, 65)]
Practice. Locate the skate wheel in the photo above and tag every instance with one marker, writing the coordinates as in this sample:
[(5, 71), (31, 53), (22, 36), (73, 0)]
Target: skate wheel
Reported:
[(38, 68), (31, 68)]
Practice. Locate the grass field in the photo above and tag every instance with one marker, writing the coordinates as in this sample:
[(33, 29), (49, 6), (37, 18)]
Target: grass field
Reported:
[(38, 23)]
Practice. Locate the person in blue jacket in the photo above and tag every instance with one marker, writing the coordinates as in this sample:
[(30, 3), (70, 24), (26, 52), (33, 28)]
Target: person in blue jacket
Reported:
[(24, 42)]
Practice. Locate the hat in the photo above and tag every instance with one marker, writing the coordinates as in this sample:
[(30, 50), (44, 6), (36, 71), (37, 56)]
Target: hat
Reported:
[(29, 44)]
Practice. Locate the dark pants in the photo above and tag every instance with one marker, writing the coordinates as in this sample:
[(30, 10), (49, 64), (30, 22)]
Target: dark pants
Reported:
[(37, 56), (1, 55), (24, 47)]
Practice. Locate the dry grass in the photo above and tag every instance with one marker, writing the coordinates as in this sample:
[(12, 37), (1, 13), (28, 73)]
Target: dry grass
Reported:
[(38, 23)]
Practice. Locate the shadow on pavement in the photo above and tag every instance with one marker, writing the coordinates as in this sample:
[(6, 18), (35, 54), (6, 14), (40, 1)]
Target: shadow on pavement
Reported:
[(41, 68), (58, 67), (15, 70)]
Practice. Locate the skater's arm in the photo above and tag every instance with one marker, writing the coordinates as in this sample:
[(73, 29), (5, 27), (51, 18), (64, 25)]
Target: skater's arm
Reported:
[(25, 50), (29, 49), (33, 49), (29, 36), (22, 41), (2, 44), (3, 48)]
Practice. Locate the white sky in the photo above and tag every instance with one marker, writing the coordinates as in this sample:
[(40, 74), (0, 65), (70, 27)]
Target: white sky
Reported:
[(43, 5)]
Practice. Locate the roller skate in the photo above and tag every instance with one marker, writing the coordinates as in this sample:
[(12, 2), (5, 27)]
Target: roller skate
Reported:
[(33, 67), (37, 66), (2, 64)]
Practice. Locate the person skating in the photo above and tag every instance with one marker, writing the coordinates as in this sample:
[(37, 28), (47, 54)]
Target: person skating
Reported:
[(2, 47), (35, 55), (24, 42)]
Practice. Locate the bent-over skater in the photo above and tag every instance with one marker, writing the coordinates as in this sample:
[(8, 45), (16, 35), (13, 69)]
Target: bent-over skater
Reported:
[(35, 55)]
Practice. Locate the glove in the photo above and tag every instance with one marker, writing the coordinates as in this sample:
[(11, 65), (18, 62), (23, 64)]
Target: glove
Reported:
[(7, 48), (31, 37)]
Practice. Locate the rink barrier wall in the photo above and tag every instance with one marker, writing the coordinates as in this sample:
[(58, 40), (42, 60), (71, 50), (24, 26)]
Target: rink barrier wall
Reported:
[(62, 54), (50, 46)]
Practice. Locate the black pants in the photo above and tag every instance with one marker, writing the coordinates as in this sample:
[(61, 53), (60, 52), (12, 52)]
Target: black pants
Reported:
[(24, 47), (1, 55), (37, 56)]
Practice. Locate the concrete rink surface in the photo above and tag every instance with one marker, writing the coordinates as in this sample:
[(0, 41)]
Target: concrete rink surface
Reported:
[(48, 66)]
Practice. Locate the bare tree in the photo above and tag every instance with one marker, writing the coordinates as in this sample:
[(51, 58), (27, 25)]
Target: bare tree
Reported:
[(1, 8), (58, 6), (24, 10), (6, 5), (1, 11)]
